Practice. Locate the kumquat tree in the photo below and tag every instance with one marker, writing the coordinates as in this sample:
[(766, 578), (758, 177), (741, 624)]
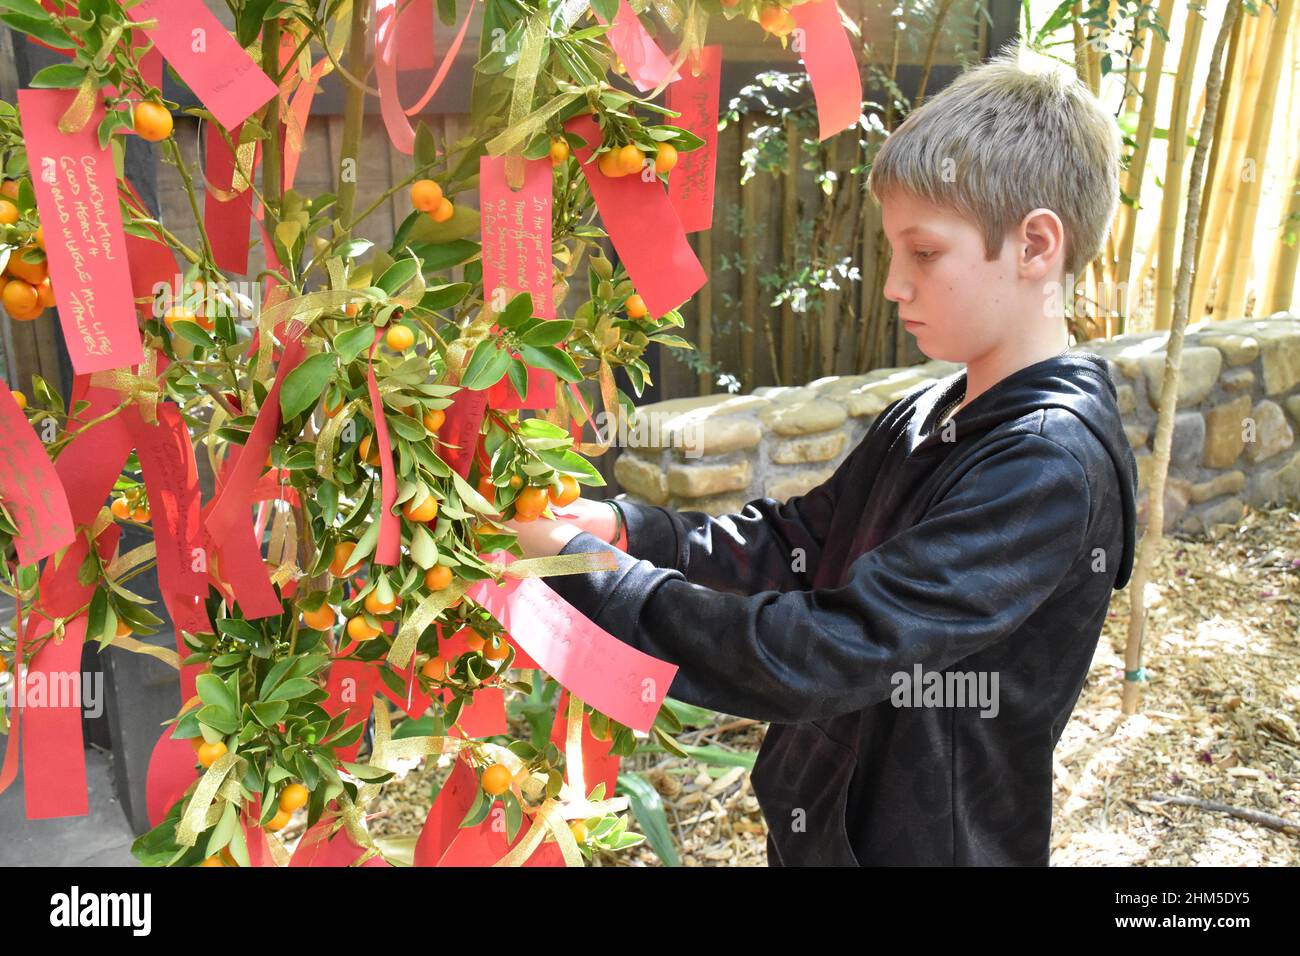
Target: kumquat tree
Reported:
[(371, 416)]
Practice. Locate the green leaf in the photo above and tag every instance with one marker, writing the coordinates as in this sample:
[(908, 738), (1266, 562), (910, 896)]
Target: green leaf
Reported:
[(605, 9), (304, 385), (437, 256), (212, 690), (518, 373), (444, 296), (354, 341), (517, 311), (293, 688), (648, 808), (193, 332), (551, 332), (269, 713), (486, 366), (464, 222), (553, 360), (218, 719), (424, 552), (397, 275), (60, 76)]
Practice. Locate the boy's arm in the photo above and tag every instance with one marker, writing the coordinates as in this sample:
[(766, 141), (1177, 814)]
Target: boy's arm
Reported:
[(989, 552), (756, 549)]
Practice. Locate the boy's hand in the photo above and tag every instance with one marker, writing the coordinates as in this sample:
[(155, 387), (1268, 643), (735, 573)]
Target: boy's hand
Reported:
[(543, 537)]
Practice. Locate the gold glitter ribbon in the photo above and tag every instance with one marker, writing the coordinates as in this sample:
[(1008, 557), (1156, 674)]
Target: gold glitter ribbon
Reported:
[(327, 440), (521, 100), (301, 310), (193, 821), (399, 655), (164, 654), (132, 559), (141, 388)]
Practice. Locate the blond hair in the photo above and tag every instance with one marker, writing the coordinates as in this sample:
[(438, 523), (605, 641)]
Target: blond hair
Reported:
[(1001, 141)]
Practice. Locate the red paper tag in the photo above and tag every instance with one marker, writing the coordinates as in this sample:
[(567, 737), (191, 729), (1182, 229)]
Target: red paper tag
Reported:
[(188, 613), (227, 221), (613, 677), (54, 756), (171, 479), (386, 44), (351, 686), (832, 68), (388, 549), (207, 57), (171, 770), (461, 429), (644, 229), (30, 488), (516, 233), (645, 62), (76, 194), (690, 184), (227, 522), (415, 36), (483, 716), (91, 463)]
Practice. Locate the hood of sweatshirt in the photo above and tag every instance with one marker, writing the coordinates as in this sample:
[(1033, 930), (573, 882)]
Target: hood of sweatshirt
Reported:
[(1078, 382)]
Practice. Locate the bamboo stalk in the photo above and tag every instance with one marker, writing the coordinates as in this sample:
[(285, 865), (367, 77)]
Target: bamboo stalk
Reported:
[(1175, 160), (1286, 255), (1229, 96), (1233, 170), (704, 303), (1135, 173), (1229, 299), (750, 260), (1281, 291), (1154, 534), (931, 48), (789, 221), (1138, 50)]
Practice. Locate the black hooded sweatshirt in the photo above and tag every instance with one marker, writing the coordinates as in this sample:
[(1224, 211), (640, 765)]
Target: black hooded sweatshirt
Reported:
[(986, 549)]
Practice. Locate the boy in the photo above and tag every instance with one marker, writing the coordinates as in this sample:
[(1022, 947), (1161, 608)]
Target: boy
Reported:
[(979, 526)]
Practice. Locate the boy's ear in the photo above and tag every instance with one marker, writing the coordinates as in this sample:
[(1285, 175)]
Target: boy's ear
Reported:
[(1042, 242)]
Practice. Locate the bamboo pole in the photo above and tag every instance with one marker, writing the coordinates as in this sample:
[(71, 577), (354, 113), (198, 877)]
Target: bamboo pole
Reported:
[(1135, 173), (931, 47), (1175, 160), (1286, 255), (1138, 52), (1154, 534), (1220, 167), (1229, 299), (750, 260), (1281, 290), (704, 309), (789, 224)]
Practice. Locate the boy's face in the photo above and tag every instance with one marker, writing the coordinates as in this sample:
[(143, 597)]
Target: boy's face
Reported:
[(960, 306)]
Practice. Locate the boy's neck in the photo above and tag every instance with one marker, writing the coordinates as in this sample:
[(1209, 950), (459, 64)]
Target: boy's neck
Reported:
[(985, 371)]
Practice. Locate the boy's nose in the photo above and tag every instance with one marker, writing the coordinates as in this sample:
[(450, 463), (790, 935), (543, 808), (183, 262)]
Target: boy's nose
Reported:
[(897, 289)]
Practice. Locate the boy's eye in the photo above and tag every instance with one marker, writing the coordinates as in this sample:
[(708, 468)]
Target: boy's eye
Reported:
[(925, 255)]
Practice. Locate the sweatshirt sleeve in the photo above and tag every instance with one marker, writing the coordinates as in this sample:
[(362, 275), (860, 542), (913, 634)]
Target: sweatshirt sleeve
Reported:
[(757, 549), (970, 572)]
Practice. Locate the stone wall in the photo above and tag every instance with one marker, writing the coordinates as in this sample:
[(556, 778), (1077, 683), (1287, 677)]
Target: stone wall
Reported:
[(1234, 433)]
